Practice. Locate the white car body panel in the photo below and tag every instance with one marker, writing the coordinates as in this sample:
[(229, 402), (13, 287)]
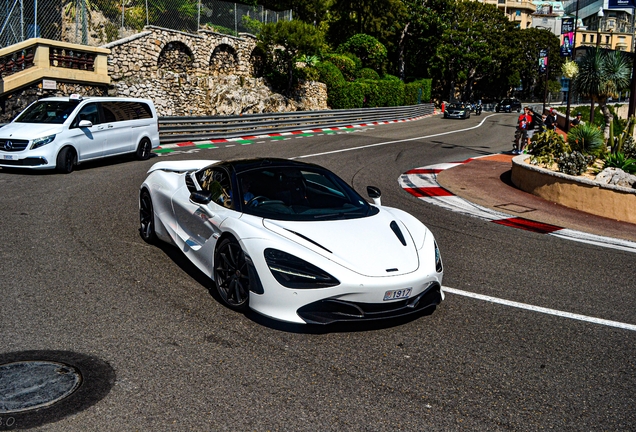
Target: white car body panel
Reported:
[(363, 254)]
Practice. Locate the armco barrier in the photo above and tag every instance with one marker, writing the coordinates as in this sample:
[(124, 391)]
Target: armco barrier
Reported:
[(180, 129)]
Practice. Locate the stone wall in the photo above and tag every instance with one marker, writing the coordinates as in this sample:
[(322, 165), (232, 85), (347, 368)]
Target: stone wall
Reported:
[(184, 74), (200, 75)]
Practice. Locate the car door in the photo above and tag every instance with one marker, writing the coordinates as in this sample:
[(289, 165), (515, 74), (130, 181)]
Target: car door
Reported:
[(199, 225), (89, 141), (117, 121)]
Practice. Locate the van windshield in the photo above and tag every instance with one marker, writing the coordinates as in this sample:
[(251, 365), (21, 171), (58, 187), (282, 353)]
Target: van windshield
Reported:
[(55, 112)]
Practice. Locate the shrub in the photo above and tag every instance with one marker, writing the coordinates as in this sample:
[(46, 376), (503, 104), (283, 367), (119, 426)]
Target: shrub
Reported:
[(368, 73), (388, 77), (307, 73), (367, 48), (574, 163), (417, 92), (629, 148), (346, 95), (329, 74), (344, 63), (588, 139), (618, 160), (382, 93), (546, 147)]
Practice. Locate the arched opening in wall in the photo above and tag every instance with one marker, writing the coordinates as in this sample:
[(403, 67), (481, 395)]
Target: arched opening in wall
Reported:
[(176, 57), (223, 60), (257, 62)]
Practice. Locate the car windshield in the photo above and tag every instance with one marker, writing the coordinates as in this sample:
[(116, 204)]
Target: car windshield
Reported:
[(55, 112), (456, 106), (300, 194)]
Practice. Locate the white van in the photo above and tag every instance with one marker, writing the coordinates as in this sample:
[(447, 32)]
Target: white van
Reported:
[(61, 132)]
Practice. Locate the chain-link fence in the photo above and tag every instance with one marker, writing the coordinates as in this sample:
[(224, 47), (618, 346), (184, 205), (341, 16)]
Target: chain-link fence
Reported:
[(97, 22)]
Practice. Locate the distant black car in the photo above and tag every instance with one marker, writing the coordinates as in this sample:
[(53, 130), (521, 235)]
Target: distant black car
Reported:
[(508, 105), (457, 110)]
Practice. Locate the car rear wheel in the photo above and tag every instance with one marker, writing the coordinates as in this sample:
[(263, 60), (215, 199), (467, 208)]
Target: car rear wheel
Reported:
[(146, 218), (66, 160), (143, 149), (231, 274)]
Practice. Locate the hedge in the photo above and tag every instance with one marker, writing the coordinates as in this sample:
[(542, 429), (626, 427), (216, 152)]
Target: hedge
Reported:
[(412, 92)]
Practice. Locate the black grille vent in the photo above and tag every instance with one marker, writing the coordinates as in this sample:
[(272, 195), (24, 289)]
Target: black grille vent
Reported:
[(13, 145), (398, 232)]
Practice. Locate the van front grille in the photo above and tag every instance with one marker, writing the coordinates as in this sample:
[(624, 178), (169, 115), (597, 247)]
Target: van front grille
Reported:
[(13, 145)]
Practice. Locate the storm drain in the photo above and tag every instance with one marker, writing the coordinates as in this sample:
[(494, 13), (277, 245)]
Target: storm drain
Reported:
[(29, 385)]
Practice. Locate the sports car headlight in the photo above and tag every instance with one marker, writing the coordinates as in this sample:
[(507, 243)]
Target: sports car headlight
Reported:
[(293, 272), (438, 260), (39, 142)]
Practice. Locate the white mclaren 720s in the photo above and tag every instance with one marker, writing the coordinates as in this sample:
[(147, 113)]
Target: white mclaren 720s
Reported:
[(292, 240)]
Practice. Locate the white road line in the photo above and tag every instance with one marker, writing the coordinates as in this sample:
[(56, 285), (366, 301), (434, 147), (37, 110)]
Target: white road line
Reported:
[(394, 142), (541, 309)]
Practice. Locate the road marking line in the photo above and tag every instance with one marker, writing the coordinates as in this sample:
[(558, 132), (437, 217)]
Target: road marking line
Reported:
[(541, 309), (393, 142)]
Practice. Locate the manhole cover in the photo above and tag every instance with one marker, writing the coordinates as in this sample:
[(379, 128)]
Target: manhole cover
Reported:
[(29, 385)]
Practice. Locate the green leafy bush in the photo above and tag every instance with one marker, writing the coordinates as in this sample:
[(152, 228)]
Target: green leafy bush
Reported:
[(618, 160), (307, 73), (389, 77), (344, 63), (547, 146), (329, 74), (574, 163), (367, 48), (417, 92), (587, 139), (346, 95), (368, 73)]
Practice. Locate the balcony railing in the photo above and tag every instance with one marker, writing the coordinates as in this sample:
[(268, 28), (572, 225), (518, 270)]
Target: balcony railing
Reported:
[(36, 59)]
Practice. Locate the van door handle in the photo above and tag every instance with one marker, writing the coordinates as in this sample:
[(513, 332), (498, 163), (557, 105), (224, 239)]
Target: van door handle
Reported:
[(110, 126)]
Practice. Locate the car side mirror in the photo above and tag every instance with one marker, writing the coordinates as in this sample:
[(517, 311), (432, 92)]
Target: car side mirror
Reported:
[(201, 196), (375, 194), (85, 123)]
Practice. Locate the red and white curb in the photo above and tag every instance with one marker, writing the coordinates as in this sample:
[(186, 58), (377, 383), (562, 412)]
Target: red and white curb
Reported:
[(292, 133), (422, 183)]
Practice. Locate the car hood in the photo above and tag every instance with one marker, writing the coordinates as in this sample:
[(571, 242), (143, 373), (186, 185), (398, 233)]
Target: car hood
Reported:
[(368, 246), (29, 131)]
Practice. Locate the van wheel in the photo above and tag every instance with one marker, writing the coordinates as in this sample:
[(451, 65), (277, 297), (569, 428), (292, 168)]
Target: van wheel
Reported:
[(143, 149), (66, 160)]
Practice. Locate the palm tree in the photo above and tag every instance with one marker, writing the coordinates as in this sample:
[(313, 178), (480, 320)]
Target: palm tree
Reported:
[(603, 74)]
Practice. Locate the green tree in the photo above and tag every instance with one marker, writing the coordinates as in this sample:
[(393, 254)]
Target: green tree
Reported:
[(368, 49), (473, 45), (602, 74), (284, 42), (527, 45)]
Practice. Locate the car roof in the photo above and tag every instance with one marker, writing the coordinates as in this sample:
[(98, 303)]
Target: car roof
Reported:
[(243, 165)]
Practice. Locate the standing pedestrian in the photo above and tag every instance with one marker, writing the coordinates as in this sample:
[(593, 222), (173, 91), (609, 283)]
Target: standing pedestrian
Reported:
[(521, 135), (551, 120)]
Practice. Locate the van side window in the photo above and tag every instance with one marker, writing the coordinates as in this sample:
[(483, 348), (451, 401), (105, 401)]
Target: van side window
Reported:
[(89, 112), (123, 111), (109, 116)]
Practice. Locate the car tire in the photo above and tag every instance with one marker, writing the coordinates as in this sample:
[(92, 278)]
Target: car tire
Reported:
[(66, 160), (143, 149), (146, 218), (231, 274)]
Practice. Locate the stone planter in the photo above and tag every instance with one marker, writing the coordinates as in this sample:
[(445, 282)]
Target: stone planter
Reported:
[(609, 201)]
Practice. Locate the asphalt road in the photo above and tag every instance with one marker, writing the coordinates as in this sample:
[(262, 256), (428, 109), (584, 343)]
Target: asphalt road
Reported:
[(157, 351)]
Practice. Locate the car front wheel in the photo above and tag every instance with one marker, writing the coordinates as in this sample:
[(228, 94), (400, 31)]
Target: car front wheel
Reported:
[(66, 160), (231, 274), (146, 218)]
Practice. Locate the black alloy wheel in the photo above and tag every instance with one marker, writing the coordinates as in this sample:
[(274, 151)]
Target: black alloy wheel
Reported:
[(146, 218), (66, 160), (231, 274), (143, 149)]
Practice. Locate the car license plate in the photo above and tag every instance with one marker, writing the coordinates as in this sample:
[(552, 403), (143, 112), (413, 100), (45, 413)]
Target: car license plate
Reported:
[(397, 294), (10, 157)]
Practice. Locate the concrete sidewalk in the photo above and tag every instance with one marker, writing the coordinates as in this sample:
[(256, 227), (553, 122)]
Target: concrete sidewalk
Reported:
[(486, 182)]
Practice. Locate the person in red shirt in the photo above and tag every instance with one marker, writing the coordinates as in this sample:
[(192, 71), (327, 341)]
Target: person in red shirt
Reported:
[(524, 130)]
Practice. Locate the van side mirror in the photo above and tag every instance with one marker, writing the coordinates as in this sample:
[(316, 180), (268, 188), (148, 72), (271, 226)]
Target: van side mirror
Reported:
[(375, 194), (85, 123)]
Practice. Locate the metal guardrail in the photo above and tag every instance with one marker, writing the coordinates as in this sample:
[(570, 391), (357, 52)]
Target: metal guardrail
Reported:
[(180, 129)]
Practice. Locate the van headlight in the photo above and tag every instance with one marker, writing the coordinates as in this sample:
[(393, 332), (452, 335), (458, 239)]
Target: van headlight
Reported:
[(39, 142), (293, 272)]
